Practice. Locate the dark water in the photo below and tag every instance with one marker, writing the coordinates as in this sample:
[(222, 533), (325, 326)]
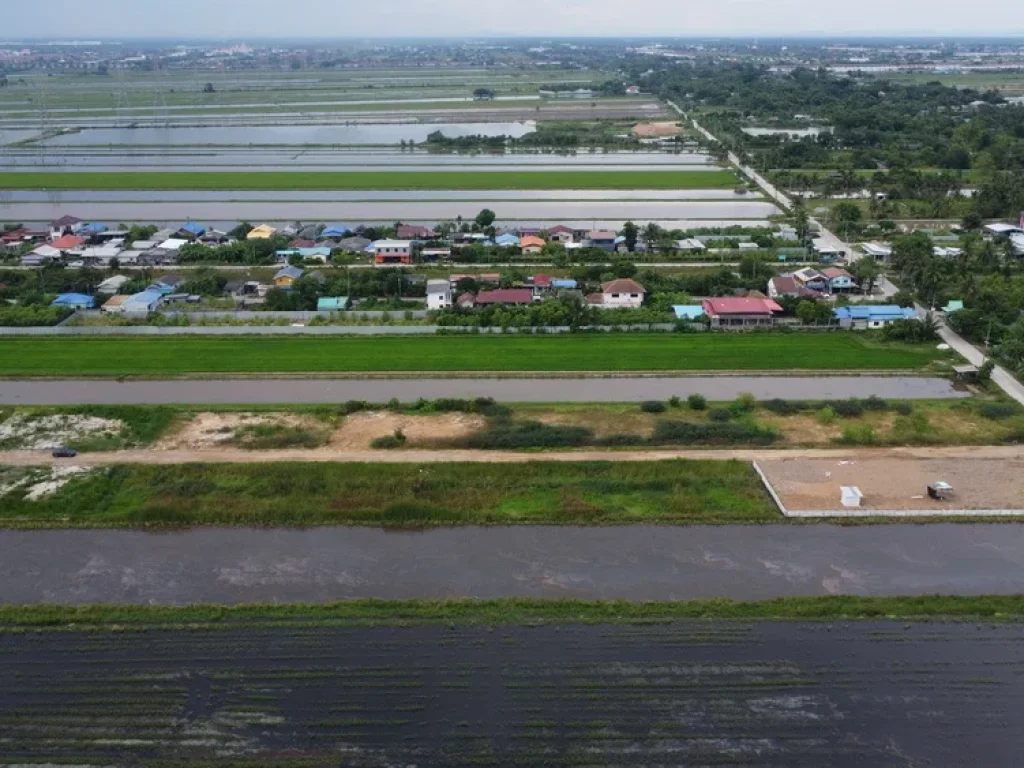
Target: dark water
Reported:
[(687, 693)]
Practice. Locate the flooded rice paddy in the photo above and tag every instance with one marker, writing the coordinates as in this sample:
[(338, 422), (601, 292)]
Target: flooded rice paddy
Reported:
[(685, 693)]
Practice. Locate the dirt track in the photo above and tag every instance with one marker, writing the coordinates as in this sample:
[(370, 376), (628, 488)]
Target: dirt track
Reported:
[(329, 454)]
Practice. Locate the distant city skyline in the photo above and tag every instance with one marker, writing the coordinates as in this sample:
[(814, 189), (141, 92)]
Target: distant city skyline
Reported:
[(324, 19)]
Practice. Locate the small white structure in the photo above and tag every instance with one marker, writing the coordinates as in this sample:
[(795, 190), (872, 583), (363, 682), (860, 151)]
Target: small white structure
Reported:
[(439, 294), (850, 495)]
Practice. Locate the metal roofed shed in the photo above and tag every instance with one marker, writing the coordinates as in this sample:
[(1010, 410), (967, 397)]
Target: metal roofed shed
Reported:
[(332, 304)]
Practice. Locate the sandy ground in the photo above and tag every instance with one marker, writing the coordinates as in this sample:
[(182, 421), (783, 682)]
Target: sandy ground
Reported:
[(224, 455), (210, 430), (360, 429), (50, 432), (982, 479)]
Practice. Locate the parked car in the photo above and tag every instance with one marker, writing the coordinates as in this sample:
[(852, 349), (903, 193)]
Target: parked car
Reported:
[(64, 453)]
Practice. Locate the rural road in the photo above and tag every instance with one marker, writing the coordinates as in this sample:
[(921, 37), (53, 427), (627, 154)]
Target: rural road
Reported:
[(509, 390), (224, 455), (228, 566)]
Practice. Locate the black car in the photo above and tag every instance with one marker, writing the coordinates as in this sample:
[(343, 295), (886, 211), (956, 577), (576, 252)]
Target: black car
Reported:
[(64, 453)]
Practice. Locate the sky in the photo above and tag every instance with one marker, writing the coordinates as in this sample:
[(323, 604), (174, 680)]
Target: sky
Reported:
[(252, 19)]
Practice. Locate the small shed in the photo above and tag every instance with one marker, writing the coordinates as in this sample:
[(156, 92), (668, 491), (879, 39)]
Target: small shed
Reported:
[(850, 495), (332, 304)]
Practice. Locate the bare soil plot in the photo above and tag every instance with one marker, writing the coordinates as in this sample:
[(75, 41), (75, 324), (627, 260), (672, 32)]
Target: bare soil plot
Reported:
[(898, 484), (211, 430), (360, 429)]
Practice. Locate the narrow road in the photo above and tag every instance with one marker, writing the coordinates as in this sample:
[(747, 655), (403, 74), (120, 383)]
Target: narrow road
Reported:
[(577, 389), (755, 562), (239, 456)]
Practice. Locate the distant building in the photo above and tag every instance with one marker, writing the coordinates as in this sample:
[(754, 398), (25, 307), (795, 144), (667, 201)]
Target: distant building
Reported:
[(439, 294), (740, 313), (74, 301), (867, 316), (619, 294), (387, 252)]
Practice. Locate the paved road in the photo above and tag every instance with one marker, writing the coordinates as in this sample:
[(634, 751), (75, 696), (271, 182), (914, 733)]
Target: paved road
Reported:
[(611, 389), (632, 563)]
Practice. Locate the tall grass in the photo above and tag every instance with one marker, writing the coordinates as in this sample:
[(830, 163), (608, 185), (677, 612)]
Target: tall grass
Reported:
[(402, 494)]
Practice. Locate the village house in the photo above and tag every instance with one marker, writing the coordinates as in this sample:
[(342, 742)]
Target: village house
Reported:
[(600, 238), (439, 294), (387, 252), (74, 301), (65, 225), (332, 303), (336, 230), (115, 304), (786, 286), (868, 316), (286, 277), (140, 303), (531, 245), (510, 296), (879, 251), (416, 232), (43, 254), (561, 234), (190, 231), (839, 280), (740, 313), (507, 240), (262, 232), (112, 285), (619, 294), (811, 279)]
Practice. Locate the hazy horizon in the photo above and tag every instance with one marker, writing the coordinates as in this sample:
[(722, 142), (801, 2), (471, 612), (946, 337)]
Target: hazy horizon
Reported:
[(530, 19)]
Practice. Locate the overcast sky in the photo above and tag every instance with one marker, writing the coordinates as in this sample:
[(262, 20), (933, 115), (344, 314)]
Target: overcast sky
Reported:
[(530, 18)]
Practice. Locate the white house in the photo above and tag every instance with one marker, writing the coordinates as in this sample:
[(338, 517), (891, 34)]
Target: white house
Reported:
[(1000, 229), (439, 294), (621, 293), (876, 250), (560, 234), (826, 250), (112, 285), (391, 251)]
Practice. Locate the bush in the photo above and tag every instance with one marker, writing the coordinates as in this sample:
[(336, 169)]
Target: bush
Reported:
[(904, 409), (675, 401), (784, 407), (874, 403), (618, 440), (859, 434), (394, 404), (848, 409), (689, 432), (745, 403), (997, 411), (985, 371), (697, 402), (528, 434), (826, 416), (354, 406), (388, 442), (652, 406), (719, 414)]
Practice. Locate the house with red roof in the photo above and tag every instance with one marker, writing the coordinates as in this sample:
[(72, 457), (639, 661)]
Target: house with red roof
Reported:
[(507, 296), (530, 244), (415, 232), (740, 313), (68, 242), (788, 286)]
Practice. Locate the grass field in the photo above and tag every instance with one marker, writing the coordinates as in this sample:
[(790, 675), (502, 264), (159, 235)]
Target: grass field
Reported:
[(43, 618), (360, 180), (610, 352), (401, 495)]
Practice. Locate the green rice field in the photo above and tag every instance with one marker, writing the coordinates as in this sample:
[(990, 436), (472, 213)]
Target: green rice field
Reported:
[(147, 356)]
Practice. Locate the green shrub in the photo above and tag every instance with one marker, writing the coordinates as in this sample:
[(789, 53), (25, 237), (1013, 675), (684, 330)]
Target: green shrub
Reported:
[(985, 371), (394, 404), (904, 409), (745, 402), (859, 434), (675, 401), (265, 437), (848, 409), (719, 414), (354, 406), (388, 442), (687, 432), (697, 402), (874, 403), (826, 416), (784, 407), (619, 440), (652, 406), (997, 411), (528, 434)]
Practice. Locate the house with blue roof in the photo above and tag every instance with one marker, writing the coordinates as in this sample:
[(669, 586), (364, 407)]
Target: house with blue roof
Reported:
[(336, 230), (332, 304), (563, 284), (286, 276), (866, 316), (507, 240), (143, 303), (93, 228), (190, 230), (74, 301), (688, 311), (321, 253)]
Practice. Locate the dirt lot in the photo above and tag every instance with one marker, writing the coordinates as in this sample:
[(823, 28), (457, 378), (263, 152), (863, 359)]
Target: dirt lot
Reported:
[(359, 429), (898, 484), (209, 430)]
